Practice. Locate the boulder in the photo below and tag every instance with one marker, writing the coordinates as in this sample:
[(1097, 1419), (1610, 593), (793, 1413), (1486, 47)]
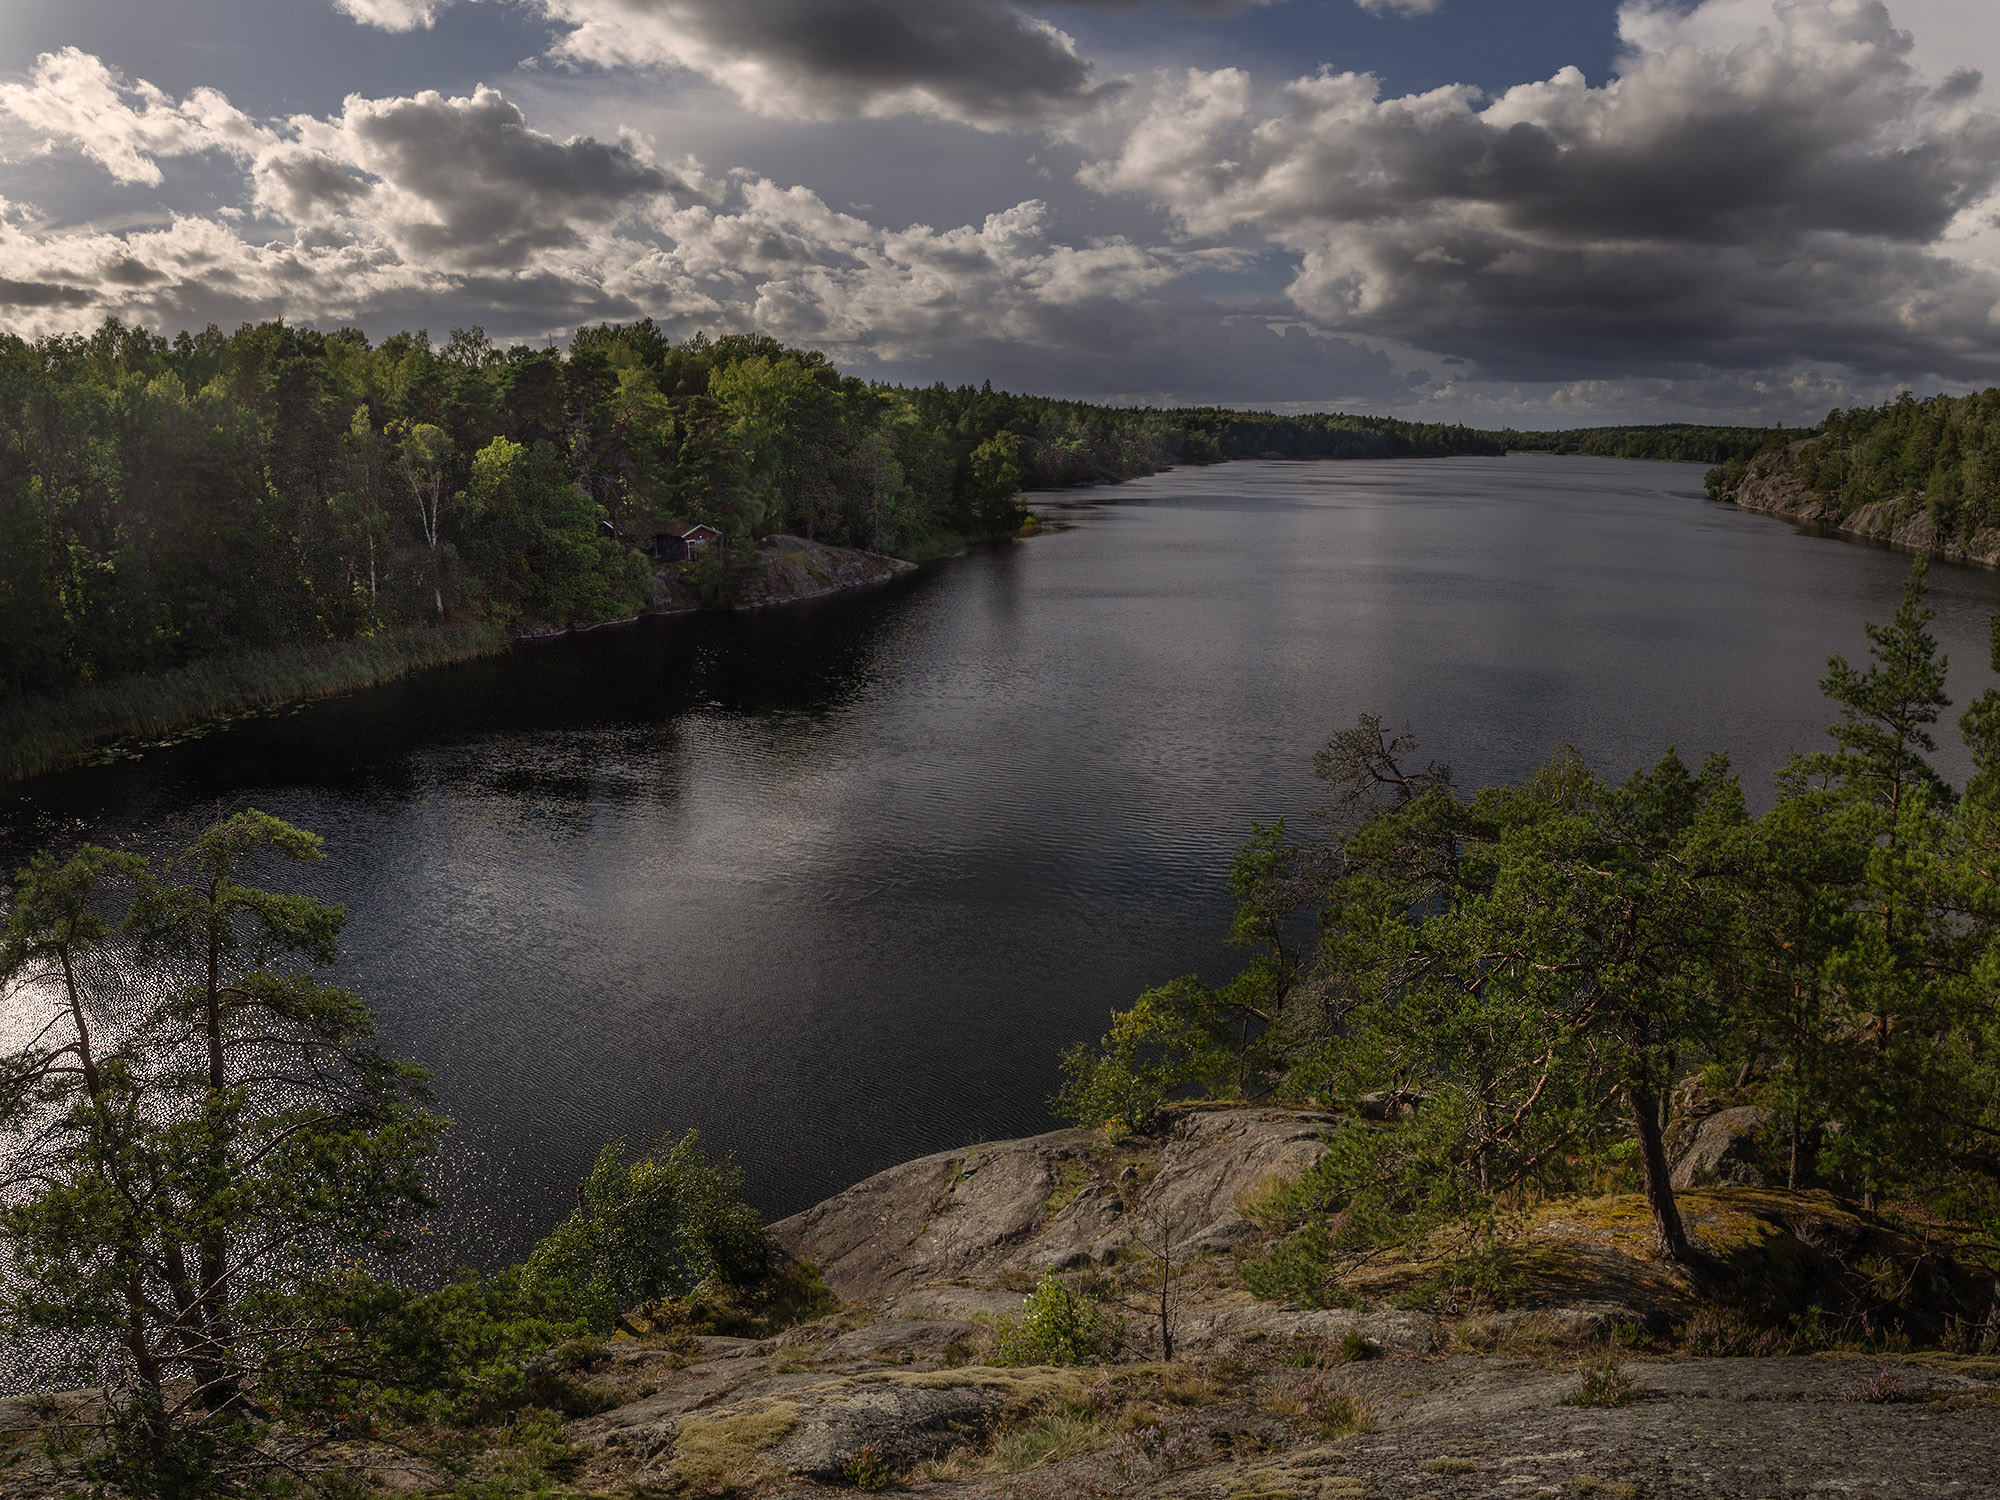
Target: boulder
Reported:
[(947, 1217), (1727, 1146), (901, 1423), (1215, 1159)]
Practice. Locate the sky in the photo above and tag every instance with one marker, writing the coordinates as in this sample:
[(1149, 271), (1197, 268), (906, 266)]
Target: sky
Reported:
[(1538, 212)]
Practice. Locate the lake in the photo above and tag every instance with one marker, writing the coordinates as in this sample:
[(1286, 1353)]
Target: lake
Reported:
[(836, 884)]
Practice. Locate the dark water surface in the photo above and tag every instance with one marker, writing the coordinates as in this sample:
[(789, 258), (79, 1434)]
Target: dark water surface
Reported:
[(836, 884)]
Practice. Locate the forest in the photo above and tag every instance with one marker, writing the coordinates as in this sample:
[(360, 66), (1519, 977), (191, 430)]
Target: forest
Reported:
[(1942, 453), (164, 501), (1670, 442)]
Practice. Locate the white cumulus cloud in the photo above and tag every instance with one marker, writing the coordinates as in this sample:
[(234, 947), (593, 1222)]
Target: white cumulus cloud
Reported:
[(1736, 197), (72, 99)]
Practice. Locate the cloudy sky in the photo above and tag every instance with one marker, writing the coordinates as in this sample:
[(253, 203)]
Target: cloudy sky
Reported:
[(1549, 212)]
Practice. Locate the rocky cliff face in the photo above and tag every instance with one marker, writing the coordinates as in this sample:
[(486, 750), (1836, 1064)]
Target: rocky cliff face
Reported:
[(1768, 486)]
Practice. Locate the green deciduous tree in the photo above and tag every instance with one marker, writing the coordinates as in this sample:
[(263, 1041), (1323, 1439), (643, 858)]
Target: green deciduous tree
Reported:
[(657, 1226)]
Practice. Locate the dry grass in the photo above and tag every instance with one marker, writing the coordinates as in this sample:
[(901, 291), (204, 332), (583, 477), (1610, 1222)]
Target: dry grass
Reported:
[(1449, 1465), (1049, 1438), (723, 1453), (1787, 1252)]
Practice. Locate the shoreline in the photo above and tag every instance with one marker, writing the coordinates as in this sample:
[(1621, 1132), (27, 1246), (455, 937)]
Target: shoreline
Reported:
[(40, 736), (43, 735), (124, 718), (1900, 522)]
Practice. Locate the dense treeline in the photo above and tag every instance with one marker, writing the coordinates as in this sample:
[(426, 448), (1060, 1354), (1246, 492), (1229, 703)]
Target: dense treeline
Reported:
[(1515, 985), (163, 501), (1673, 442), (1213, 434), (1942, 454)]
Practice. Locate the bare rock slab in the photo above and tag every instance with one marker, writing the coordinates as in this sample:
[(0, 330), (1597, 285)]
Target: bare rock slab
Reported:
[(1051, 1202)]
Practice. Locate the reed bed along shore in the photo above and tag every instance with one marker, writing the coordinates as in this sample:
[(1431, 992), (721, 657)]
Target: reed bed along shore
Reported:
[(48, 733)]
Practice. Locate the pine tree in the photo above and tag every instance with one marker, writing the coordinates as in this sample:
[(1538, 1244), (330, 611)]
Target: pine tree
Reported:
[(206, 1132)]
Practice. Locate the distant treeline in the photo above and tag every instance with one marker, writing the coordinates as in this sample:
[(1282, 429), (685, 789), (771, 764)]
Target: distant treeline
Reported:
[(1673, 442), (1942, 453)]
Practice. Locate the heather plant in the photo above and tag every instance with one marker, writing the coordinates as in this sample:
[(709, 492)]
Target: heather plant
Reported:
[(1884, 1388), (1602, 1382), (1153, 1449)]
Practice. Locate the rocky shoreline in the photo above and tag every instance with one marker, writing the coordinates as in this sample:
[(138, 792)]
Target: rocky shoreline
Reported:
[(788, 570), (1397, 1396), (1770, 488), (1267, 1401)]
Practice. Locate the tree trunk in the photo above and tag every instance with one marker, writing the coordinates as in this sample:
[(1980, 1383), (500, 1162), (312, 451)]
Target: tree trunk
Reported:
[(1659, 1186)]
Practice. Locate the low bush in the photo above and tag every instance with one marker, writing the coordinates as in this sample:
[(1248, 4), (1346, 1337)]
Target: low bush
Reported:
[(660, 1226), (1059, 1326), (865, 1469)]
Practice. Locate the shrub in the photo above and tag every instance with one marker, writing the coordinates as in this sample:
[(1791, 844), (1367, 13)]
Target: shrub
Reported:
[(792, 1294), (659, 1226), (1602, 1382), (1059, 1326)]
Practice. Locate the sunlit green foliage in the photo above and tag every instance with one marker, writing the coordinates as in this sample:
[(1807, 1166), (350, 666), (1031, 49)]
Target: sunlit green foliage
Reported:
[(658, 1226), (1059, 1325)]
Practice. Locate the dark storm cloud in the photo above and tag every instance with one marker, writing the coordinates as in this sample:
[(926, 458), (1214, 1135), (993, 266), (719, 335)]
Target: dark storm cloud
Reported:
[(43, 294), (989, 63), (466, 182), (126, 271), (1736, 207), (304, 185), (979, 61)]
